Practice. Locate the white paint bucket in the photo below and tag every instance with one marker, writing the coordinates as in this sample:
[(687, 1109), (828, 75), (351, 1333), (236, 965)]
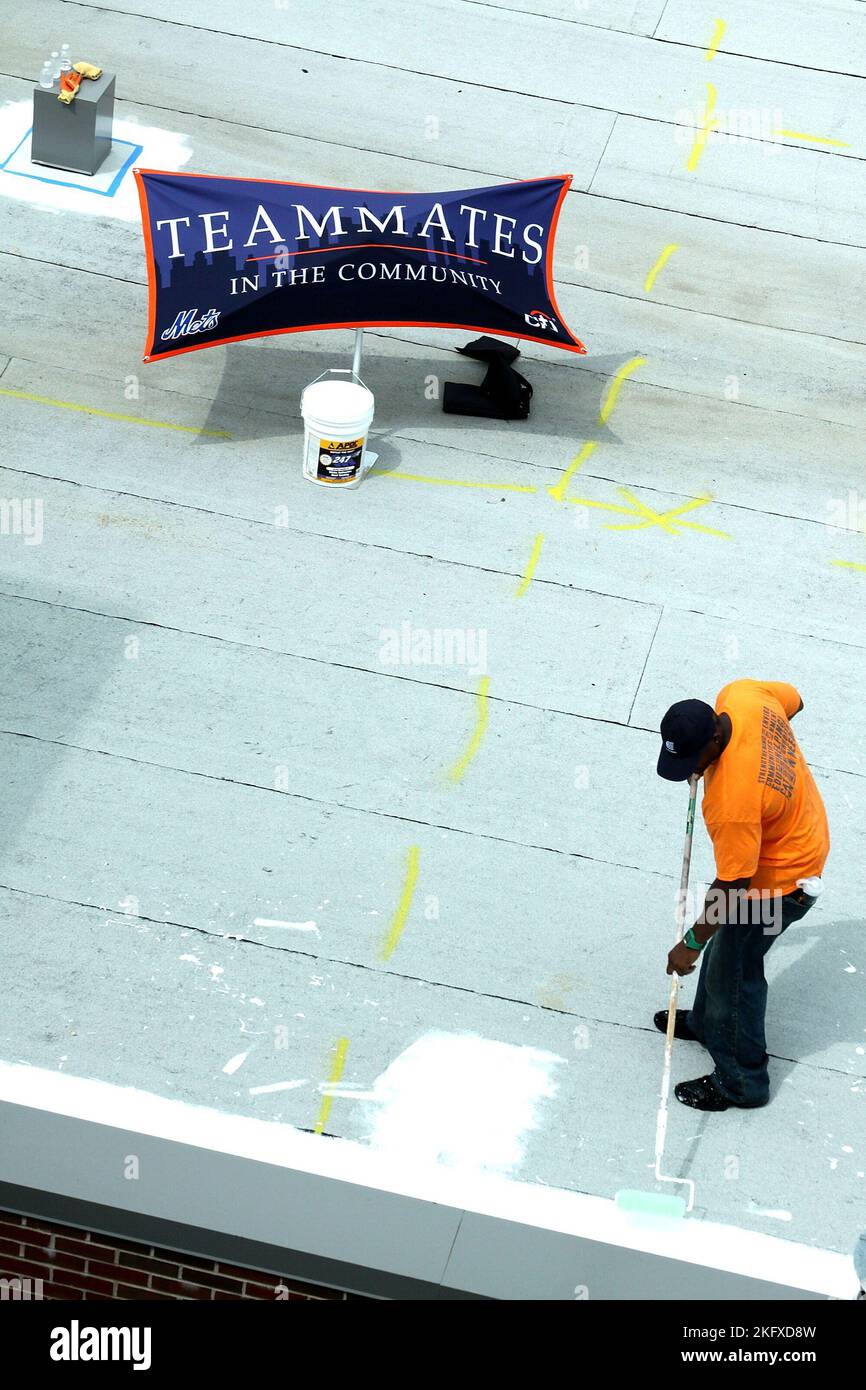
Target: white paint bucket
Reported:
[(337, 417)]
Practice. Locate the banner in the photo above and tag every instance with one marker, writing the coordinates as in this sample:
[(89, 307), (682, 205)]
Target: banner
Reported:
[(231, 258)]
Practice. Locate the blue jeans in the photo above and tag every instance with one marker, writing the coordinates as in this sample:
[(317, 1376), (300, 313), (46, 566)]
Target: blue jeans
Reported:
[(731, 1001)]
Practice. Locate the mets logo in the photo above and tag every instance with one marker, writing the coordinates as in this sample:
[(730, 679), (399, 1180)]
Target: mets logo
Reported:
[(537, 318), (186, 323)]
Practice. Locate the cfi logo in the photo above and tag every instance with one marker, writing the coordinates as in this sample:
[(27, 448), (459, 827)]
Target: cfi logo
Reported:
[(186, 323), (669, 746), (537, 318)]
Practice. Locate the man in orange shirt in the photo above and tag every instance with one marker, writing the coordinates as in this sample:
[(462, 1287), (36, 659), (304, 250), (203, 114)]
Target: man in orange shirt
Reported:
[(768, 826)]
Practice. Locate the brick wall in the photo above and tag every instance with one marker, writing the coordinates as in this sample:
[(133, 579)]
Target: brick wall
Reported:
[(78, 1264)]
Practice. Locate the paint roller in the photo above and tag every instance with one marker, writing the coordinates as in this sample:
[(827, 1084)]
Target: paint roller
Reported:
[(667, 1203)]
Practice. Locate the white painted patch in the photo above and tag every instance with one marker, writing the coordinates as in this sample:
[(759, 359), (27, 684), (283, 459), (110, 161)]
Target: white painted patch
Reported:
[(216, 970), (850, 970), (752, 1254), (278, 1086), (777, 1213), (194, 959), (27, 182), (462, 1100), (234, 1063), (288, 926)]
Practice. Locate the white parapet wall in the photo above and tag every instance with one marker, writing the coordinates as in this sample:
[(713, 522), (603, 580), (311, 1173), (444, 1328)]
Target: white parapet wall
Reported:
[(458, 1232)]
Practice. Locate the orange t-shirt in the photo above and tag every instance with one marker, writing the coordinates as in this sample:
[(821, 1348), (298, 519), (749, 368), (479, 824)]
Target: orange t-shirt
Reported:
[(761, 806)]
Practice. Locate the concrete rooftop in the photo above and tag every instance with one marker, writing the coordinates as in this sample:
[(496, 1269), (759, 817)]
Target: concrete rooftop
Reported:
[(200, 735)]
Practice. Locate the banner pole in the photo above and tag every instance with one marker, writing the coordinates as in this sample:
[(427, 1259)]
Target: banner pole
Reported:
[(359, 343)]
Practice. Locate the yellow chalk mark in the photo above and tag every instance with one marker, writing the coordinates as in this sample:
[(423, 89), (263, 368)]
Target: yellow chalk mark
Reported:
[(707, 125), (847, 565), (340, 1050), (707, 530), (455, 773), (644, 516), (676, 512), (694, 525), (659, 265), (651, 518), (616, 386), (398, 921), (559, 489), (455, 482), (690, 506), (659, 518), (530, 568), (813, 139), (715, 40), (112, 415)]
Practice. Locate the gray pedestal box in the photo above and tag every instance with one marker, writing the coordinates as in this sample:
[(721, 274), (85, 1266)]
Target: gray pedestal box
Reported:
[(78, 136)]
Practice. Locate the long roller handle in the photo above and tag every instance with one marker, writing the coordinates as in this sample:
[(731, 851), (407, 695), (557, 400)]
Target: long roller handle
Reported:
[(682, 903)]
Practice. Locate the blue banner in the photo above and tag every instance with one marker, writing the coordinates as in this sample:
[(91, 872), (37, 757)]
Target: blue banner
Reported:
[(231, 258)]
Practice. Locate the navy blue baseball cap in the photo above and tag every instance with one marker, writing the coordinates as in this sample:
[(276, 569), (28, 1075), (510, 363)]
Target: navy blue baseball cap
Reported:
[(686, 730)]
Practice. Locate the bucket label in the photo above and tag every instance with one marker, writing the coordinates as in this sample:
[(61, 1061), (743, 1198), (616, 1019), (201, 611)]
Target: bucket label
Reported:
[(339, 459)]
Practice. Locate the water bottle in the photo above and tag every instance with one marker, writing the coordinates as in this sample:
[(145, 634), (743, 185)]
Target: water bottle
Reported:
[(46, 77), (55, 65), (65, 58)]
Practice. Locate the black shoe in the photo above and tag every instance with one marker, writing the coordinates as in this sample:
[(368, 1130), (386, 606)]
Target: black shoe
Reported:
[(704, 1094), (681, 1028)]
